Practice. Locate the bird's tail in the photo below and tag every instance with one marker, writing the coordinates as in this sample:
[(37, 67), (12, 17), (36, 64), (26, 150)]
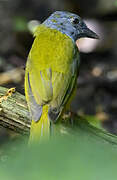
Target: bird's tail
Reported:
[(40, 130)]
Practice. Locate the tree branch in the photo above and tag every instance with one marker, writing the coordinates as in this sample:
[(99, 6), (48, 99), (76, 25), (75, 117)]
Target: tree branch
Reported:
[(15, 116), (14, 112)]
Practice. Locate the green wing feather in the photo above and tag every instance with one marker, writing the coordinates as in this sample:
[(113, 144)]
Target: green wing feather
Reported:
[(52, 88), (64, 85)]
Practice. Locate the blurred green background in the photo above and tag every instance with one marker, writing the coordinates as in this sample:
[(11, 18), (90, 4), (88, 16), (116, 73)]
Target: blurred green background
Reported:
[(76, 157), (82, 157)]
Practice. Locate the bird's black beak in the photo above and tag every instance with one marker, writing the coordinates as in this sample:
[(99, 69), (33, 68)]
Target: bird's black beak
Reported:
[(89, 33)]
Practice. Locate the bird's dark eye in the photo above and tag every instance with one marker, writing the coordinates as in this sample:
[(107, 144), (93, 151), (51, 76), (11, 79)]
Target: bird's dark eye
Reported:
[(75, 20)]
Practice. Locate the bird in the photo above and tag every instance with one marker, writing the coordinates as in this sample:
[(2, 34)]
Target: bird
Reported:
[(52, 70)]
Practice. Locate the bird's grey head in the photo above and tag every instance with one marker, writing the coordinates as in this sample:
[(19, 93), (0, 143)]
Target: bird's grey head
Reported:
[(69, 24)]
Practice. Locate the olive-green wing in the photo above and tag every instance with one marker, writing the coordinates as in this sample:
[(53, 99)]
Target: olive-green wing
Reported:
[(49, 87), (63, 86), (38, 89)]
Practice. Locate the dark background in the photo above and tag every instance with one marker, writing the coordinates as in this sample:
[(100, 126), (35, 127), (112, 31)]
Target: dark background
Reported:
[(97, 82)]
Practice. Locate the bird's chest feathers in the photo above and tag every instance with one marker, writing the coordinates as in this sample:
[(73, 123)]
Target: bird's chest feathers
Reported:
[(52, 49)]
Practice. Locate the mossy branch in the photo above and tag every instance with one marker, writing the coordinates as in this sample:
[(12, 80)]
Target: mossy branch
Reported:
[(14, 112), (15, 116)]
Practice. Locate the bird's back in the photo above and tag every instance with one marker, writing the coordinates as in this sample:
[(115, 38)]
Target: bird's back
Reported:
[(51, 49)]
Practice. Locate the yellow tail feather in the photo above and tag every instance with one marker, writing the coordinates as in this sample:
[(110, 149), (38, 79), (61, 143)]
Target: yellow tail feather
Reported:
[(40, 130)]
